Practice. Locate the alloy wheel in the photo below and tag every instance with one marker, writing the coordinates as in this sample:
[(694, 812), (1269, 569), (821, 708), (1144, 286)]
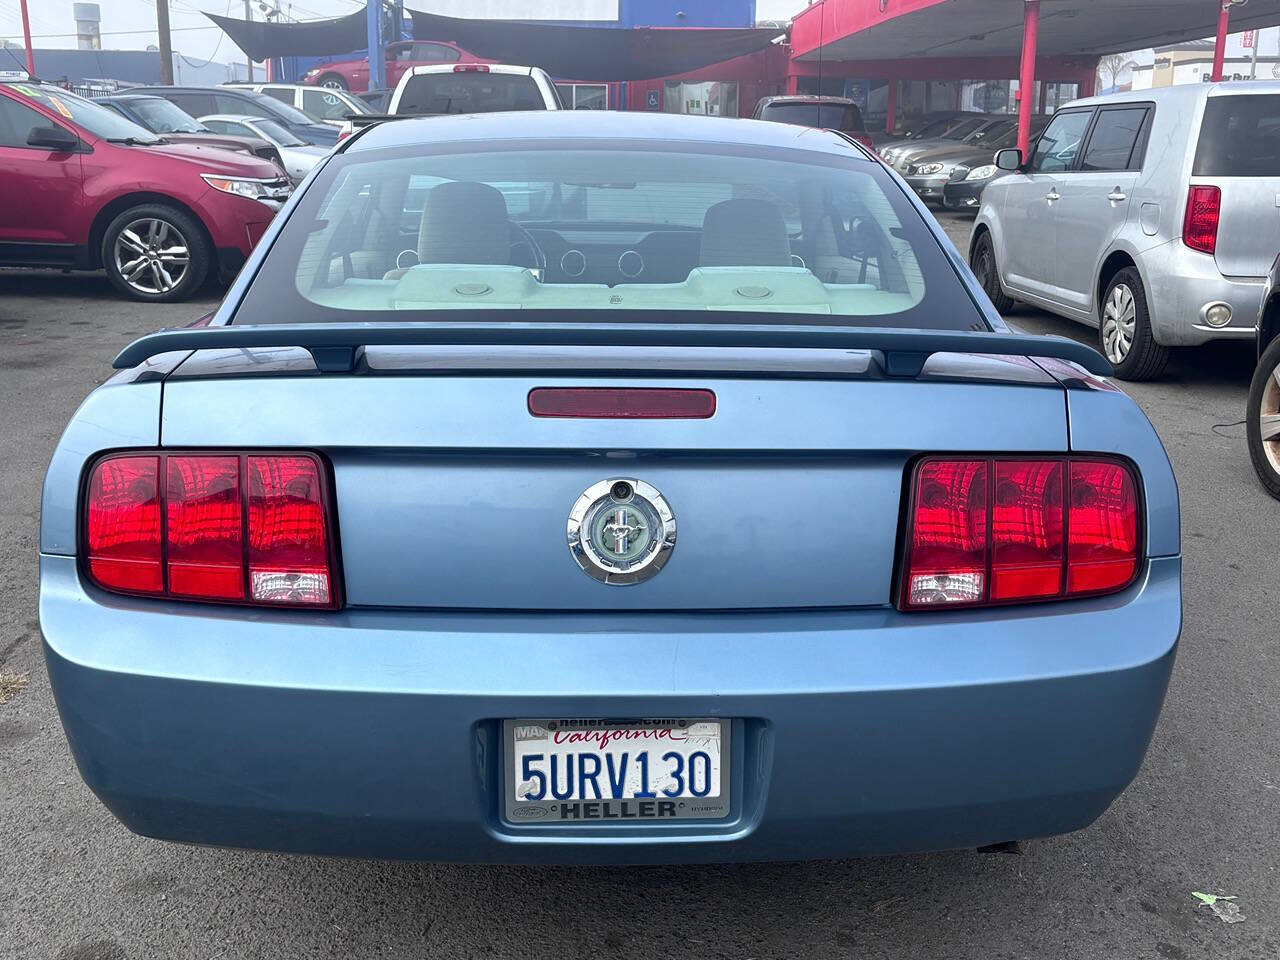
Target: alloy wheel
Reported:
[(332, 84), (151, 255), (1118, 323), (1269, 417)]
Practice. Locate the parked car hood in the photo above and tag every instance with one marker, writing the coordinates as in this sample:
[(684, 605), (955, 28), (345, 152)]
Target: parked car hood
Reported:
[(218, 160), (956, 153), (223, 141)]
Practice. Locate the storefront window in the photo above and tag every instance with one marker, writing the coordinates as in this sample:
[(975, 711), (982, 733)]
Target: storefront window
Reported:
[(711, 98), (584, 96)]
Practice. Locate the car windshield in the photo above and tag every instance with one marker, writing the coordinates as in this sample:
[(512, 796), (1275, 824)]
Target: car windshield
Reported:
[(963, 128), (834, 116), (777, 232), (276, 133), (98, 120), (469, 93), (991, 131), (934, 128), (161, 116)]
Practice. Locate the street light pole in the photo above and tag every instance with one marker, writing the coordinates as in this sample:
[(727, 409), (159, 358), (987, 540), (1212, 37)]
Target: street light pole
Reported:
[(26, 38)]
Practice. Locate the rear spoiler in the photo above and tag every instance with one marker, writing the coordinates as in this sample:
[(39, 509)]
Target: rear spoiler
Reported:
[(337, 347)]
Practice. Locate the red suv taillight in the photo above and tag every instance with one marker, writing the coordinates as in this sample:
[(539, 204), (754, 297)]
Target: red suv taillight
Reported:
[(998, 530), (251, 528), (865, 139), (1200, 226)]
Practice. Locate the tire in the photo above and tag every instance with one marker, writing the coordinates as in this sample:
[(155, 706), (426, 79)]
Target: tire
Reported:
[(1264, 400), (334, 81), (1124, 329), (983, 264), (156, 253)]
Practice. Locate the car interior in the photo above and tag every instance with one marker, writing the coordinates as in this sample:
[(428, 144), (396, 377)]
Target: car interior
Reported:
[(396, 240)]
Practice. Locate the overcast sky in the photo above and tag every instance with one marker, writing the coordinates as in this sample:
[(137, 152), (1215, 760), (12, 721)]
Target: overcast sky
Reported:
[(131, 24)]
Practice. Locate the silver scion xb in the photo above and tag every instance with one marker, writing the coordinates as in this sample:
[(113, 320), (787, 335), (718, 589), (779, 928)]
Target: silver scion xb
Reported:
[(1153, 215)]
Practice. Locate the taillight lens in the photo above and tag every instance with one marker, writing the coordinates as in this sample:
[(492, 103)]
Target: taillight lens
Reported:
[(122, 525), (471, 68), (1200, 226), (231, 527), (865, 140), (997, 530)]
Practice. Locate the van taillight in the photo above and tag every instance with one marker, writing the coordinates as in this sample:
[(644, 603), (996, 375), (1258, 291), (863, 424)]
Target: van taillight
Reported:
[(865, 139), (251, 528), (998, 530), (1200, 225)]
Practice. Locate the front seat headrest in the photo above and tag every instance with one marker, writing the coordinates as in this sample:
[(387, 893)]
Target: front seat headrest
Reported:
[(464, 222), (744, 232)]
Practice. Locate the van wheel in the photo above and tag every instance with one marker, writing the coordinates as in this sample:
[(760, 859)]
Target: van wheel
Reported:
[(983, 264), (156, 253), (1124, 329), (1262, 419), (333, 81)]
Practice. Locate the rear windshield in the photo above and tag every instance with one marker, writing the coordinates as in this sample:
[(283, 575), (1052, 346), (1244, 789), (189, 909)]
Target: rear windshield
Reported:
[(469, 93), (584, 229), (832, 116), (1240, 137)]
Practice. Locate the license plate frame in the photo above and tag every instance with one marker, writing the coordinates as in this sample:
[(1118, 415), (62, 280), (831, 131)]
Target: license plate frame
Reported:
[(585, 812)]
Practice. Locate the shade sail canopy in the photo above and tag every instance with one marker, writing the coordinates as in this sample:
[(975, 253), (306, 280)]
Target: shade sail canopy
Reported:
[(567, 52), (315, 38)]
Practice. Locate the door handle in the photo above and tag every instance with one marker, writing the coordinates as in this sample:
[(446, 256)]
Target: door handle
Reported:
[(1053, 195), (1116, 195)]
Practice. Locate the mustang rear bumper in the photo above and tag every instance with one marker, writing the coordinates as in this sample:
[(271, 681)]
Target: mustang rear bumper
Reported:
[(377, 733)]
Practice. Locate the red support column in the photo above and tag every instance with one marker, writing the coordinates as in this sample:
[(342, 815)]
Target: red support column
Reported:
[(26, 38), (1220, 45), (891, 112), (1027, 76)]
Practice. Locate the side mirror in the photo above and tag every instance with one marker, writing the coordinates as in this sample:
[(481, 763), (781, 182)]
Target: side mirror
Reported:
[(1009, 159), (55, 138)]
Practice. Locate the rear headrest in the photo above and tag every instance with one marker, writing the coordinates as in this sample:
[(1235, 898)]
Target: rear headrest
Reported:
[(744, 233), (464, 222)]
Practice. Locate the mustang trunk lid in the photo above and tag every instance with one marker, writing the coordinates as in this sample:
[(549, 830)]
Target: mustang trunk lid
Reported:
[(450, 494)]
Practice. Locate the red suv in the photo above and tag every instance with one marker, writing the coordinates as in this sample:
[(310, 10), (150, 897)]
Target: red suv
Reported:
[(354, 74), (85, 188)]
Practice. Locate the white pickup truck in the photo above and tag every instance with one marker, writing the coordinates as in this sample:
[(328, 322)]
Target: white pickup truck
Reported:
[(463, 88)]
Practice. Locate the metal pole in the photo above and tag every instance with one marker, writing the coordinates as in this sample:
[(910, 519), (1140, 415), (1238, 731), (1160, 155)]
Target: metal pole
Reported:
[(891, 107), (1253, 65), (1027, 75), (166, 42), (26, 38), (1220, 45), (248, 16), (377, 54)]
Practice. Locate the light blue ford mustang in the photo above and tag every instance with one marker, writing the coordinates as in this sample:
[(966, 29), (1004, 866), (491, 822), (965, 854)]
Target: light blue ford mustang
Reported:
[(601, 488)]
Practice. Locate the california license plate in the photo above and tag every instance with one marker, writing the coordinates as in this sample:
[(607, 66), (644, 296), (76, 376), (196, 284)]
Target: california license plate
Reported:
[(602, 771)]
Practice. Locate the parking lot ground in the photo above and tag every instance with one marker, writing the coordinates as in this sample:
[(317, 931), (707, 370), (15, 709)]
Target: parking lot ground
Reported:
[(1201, 816)]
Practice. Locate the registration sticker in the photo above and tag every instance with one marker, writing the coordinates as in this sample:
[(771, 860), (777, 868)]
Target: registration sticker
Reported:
[(592, 771)]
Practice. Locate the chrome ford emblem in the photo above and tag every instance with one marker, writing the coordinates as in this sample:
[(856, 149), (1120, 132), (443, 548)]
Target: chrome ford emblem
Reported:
[(621, 531)]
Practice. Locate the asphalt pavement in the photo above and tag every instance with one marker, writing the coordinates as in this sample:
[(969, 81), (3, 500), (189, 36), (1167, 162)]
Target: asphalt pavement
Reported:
[(1201, 816)]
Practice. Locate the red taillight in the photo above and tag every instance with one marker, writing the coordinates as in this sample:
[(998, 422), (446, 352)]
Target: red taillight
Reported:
[(122, 525), (997, 530), (1200, 226), (238, 528), (204, 535), (622, 403), (471, 68), (865, 140)]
